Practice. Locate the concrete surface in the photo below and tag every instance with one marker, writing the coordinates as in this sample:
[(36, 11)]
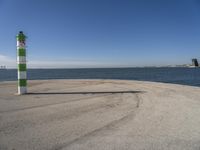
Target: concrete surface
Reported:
[(99, 115)]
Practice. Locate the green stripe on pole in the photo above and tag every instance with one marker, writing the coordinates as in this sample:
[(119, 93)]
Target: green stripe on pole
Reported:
[(21, 52), (22, 67), (22, 82), (21, 37)]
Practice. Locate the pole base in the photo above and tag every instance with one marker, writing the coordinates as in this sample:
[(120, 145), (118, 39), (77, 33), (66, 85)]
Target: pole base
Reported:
[(22, 90)]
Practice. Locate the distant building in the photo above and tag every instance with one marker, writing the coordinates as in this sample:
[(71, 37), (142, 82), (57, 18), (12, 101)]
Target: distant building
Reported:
[(2, 67), (195, 62)]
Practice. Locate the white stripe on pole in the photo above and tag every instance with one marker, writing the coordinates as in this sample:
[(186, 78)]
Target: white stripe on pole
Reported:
[(22, 75), (22, 89), (20, 44), (21, 59)]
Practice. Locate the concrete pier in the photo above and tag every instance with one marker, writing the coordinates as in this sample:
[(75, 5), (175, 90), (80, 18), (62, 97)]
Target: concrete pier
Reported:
[(99, 115)]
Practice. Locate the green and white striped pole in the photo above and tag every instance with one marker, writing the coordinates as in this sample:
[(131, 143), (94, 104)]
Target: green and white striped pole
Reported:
[(21, 62)]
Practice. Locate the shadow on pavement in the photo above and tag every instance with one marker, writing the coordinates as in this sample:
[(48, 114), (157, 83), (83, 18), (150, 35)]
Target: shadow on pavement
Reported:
[(101, 92)]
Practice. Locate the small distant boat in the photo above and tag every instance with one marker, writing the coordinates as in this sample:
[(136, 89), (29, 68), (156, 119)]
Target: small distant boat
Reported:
[(192, 66)]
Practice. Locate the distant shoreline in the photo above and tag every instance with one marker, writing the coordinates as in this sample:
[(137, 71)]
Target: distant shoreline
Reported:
[(112, 67)]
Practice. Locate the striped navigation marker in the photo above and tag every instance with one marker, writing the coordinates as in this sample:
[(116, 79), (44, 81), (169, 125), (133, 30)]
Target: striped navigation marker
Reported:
[(21, 62)]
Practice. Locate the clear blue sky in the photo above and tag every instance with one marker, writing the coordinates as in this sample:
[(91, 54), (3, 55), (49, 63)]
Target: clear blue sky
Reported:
[(101, 33)]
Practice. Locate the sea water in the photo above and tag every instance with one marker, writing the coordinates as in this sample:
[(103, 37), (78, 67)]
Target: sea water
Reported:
[(185, 76)]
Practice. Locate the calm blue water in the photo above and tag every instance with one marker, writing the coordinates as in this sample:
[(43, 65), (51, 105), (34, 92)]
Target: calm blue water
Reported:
[(185, 76)]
